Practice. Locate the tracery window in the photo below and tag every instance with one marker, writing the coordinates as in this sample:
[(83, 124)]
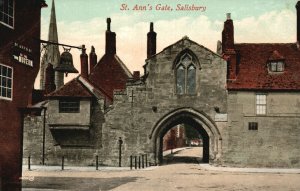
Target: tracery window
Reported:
[(186, 75)]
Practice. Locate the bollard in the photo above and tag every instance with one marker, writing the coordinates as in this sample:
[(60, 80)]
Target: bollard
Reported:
[(130, 162), (120, 151), (143, 166), (135, 162), (139, 162), (29, 163), (62, 162), (146, 161), (97, 162)]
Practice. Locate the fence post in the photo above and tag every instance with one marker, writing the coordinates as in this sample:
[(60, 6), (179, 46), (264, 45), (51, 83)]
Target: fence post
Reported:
[(29, 162), (62, 162), (97, 162), (139, 162), (120, 150), (130, 162), (135, 162), (143, 166), (146, 161)]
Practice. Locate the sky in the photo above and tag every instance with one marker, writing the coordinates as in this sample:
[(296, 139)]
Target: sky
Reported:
[(84, 22)]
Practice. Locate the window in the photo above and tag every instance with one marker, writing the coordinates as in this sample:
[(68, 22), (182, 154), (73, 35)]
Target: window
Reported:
[(186, 76), (191, 79), (7, 12), (261, 104), (180, 79), (276, 66), (69, 106), (253, 126), (6, 78)]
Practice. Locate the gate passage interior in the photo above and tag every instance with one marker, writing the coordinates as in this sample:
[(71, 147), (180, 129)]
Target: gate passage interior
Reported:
[(198, 120)]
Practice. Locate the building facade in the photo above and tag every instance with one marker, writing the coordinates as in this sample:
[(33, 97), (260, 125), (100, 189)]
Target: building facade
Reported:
[(242, 100), (175, 138), (19, 65)]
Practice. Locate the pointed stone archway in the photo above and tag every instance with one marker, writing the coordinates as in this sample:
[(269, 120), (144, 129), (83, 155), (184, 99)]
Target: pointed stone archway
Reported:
[(212, 140)]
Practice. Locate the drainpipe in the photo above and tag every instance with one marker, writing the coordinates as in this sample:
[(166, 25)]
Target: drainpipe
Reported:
[(44, 133)]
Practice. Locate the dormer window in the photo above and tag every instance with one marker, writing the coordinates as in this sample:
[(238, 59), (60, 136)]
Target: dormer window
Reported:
[(276, 66), (276, 62)]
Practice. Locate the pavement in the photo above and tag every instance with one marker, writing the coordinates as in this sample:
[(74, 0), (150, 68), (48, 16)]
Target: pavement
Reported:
[(174, 176), (250, 170), (175, 152)]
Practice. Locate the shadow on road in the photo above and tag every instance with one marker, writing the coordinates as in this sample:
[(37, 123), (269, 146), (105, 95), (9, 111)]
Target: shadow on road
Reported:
[(180, 157), (69, 183)]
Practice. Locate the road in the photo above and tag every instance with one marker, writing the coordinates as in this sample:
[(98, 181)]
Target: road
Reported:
[(175, 176)]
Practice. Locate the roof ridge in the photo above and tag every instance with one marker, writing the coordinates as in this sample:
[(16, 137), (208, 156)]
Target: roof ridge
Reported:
[(185, 38), (61, 87), (265, 43)]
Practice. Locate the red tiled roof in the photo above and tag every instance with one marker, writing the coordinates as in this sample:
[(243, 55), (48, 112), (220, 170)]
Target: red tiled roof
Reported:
[(253, 72), (110, 74), (74, 88)]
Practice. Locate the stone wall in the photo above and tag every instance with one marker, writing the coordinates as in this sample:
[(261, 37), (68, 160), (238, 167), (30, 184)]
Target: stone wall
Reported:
[(76, 154), (81, 118), (157, 97), (275, 143)]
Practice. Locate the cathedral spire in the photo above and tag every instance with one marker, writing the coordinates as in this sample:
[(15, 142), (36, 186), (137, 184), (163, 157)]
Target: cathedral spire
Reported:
[(52, 35), (52, 54)]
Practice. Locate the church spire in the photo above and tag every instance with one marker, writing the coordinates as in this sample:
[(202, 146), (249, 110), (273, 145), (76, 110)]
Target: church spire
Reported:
[(52, 54), (52, 36)]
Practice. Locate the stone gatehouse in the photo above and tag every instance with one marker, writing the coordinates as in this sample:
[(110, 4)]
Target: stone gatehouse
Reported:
[(244, 100)]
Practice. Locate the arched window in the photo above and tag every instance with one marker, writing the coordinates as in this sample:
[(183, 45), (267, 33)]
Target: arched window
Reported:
[(186, 75), (191, 79), (180, 74)]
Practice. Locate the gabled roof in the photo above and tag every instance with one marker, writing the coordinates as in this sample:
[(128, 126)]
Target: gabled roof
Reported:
[(74, 88), (110, 74), (180, 42), (253, 71), (79, 87)]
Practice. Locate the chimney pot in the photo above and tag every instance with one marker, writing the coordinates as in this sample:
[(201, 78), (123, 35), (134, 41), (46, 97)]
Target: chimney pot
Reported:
[(228, 15), (151, 41), (93, 59), (298, 5), (108, 21), (84, 63), (110, 45), (151, 27), (136, 75)]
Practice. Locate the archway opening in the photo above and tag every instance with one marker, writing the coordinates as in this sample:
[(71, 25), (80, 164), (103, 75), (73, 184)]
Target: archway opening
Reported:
[(175, 141), (182, 144)]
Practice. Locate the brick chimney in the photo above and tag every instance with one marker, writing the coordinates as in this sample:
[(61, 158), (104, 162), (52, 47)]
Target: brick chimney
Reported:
[(228, 34), (110, 46), (228, 48), (84, 63), (151, 42), (50, 79), (93, 59), (298, 21), (136, 75)]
